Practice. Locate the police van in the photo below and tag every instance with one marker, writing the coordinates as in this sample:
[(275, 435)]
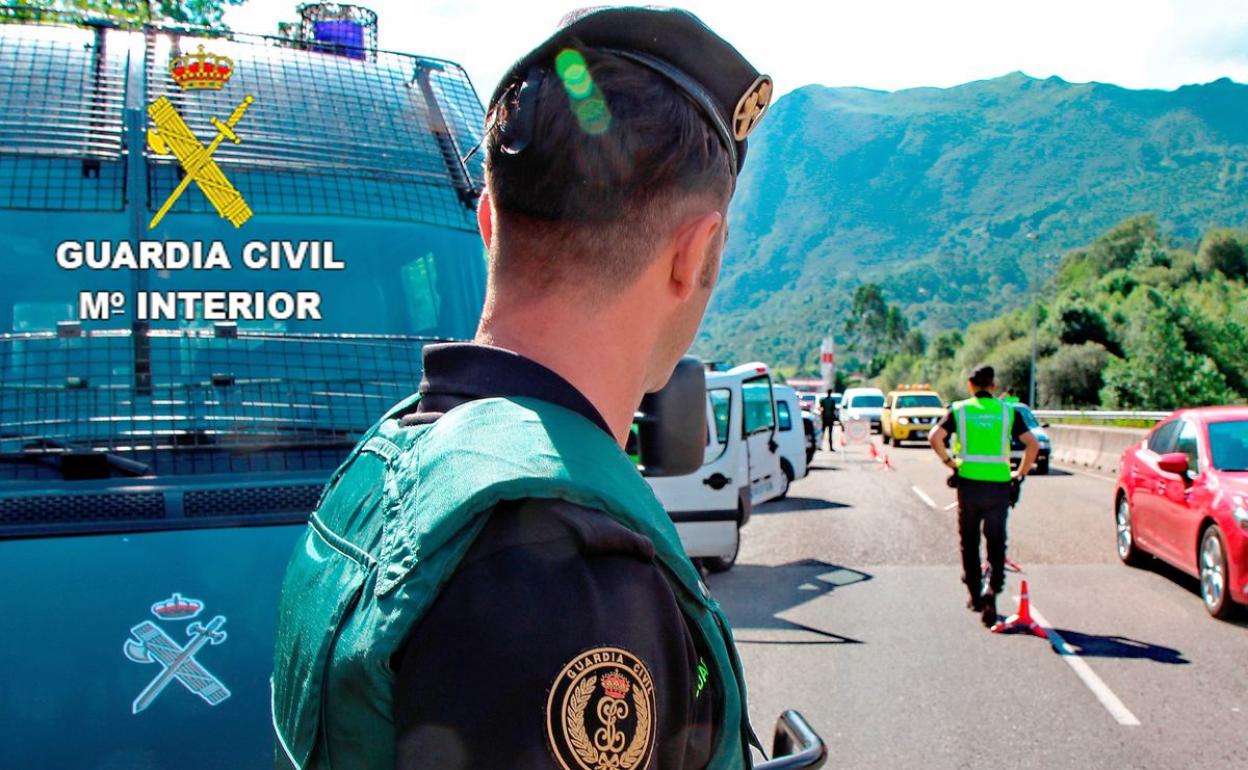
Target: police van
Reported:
[(741, 466), (791, 435), (155, 473)]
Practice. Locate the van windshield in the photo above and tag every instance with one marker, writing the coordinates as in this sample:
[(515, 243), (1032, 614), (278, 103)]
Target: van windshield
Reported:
[(368, 165), (866, 401)]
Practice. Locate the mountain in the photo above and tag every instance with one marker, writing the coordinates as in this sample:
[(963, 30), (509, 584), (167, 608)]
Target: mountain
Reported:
[(952, 198)]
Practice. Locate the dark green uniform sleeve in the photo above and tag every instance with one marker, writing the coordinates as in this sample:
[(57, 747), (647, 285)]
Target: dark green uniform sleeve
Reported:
[(546, 583)]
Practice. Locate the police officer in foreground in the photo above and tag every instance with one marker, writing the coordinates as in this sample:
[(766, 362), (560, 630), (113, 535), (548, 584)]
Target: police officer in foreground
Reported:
[(982, 429), (488, 582)]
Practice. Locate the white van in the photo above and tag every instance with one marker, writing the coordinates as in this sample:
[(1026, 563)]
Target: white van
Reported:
[(741, 467), (863, 404), (791, 436)]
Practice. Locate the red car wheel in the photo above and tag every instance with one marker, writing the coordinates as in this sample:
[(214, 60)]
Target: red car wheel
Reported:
[(1128, 551), (1214, 574)]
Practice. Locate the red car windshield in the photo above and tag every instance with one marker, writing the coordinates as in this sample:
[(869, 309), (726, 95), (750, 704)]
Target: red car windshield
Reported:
[(1228, 445)]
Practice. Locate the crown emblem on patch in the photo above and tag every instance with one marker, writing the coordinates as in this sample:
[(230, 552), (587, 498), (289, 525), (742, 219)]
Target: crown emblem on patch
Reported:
[(616, 684), (177, 607), (201, 70)]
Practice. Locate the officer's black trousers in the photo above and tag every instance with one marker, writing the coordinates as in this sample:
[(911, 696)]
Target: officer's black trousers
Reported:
[(827, 431), (983, 504)]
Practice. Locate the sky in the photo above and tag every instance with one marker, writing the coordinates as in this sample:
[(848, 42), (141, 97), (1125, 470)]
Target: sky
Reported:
[(881, 44)]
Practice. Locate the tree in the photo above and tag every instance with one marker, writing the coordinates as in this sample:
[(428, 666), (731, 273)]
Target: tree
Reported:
[(946, 345), (1071, 377), (915, 344), (875, 328), (1224, 251), (1079, 323), (1119, 247), (199, 13), (1159, 371)]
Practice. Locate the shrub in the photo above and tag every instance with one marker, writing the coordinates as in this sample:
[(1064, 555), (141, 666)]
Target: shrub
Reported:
[(1072, 377)]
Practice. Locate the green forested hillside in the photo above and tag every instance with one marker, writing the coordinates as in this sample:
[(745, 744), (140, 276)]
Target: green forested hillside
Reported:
[(1126, 323), (932, 193)]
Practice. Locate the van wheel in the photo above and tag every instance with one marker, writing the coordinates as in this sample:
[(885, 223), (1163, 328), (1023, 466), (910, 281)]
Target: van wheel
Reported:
[(884, 437), (721, 563), (787, 471)]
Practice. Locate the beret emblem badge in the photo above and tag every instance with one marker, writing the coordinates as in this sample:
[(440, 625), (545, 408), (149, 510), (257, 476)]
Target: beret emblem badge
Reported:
[(751, 107)]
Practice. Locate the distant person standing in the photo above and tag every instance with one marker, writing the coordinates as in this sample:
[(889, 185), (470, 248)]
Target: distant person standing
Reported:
[(827, 412), (982, 428)]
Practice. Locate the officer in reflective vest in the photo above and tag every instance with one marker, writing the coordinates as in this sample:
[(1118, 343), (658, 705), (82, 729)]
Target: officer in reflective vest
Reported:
[(982, 429), (487, 581)]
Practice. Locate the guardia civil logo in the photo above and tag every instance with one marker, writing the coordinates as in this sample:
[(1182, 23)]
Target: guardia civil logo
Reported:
[(600, 712), (149, 643), (171, 135)]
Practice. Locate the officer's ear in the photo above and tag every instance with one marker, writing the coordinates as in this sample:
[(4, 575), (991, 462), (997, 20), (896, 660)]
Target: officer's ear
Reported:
[(696, 242), (485, 219)]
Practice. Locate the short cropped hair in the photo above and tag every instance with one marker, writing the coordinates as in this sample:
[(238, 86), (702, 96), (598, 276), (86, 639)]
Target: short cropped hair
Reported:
[(580, 204)]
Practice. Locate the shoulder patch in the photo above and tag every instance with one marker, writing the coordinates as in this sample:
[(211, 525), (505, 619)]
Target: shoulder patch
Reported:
[(600, 712)]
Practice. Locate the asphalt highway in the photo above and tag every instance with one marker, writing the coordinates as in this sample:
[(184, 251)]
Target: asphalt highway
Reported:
[(848, 606)]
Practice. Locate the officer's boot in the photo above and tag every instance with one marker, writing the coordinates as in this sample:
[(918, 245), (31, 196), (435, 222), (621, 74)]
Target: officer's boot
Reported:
[(988, 613)]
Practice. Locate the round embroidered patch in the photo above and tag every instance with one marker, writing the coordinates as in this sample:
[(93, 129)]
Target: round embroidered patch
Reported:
[(600, 712)]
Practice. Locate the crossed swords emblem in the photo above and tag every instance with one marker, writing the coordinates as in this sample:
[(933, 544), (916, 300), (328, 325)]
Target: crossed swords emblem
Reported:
[(152, 645), (172, 135)]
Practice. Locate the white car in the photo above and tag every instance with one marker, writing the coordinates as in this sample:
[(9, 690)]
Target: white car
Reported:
[(741, 467), (791, 436), (863, 404)]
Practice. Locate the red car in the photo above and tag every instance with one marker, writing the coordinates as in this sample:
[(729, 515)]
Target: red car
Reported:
[(1183, 497)]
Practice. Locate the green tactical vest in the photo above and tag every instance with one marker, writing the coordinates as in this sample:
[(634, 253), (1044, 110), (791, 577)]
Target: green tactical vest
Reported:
[(391, 528), (983, 440)]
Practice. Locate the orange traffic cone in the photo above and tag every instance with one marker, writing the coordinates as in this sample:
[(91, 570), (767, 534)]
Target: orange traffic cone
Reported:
[(885, 464), (872, 450), (1023, 620)]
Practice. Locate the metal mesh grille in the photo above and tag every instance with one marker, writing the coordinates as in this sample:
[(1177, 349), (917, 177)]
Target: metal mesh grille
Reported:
[(62, 92), (188, 401), (81, 508), (251, 500), (329, 134)]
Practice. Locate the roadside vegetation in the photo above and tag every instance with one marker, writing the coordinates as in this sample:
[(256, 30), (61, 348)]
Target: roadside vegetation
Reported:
[(1132, 321)]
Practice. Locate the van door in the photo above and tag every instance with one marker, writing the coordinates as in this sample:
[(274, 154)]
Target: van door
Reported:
[(759, 432), (719, 475)]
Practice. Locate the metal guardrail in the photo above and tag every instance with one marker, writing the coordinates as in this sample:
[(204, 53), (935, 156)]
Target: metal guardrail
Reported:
[(1099, 414), (796, 745)]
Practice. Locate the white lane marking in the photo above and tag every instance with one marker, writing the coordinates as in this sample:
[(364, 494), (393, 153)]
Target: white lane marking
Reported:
[(923, 496), (1116, 708)]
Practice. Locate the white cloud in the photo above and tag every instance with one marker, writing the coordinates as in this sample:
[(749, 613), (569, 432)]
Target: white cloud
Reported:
[(886, 44)]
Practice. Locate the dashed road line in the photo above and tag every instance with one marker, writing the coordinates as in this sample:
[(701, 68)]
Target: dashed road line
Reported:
[(929, 502), (1116, 708)]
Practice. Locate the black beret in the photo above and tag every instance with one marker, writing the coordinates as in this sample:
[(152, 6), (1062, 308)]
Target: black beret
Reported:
[(731, 94), (983, 375)]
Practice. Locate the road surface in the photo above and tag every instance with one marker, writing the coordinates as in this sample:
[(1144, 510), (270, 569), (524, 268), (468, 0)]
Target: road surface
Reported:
[(848, 606)]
